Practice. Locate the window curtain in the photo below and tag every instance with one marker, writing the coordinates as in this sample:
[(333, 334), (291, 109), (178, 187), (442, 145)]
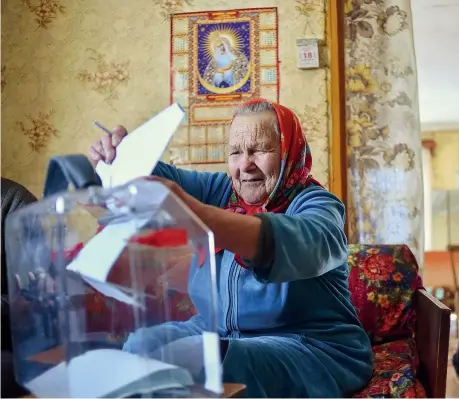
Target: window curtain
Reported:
[(384, 140)]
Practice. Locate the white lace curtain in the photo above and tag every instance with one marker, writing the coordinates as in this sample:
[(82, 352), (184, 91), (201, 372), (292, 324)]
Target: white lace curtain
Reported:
[(384, 138)]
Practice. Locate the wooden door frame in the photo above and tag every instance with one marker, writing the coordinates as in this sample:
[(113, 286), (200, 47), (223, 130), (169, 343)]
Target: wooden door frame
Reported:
[(338, 135)]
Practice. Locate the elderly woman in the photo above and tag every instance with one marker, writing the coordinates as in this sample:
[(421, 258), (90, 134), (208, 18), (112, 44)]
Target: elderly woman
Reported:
[(288, 326)]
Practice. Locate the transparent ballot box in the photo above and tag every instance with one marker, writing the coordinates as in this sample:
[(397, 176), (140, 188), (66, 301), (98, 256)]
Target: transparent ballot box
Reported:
[(113, 294)]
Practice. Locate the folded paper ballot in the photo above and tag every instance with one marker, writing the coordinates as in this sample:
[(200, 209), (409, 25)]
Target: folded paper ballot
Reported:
[(136, 156), (139, 152), (98, 256)]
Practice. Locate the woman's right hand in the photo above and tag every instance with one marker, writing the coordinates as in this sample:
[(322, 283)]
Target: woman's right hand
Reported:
[(104, 149)]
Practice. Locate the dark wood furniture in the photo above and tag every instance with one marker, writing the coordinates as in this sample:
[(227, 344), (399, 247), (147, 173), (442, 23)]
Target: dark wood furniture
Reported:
[(230, 391), (432, 340)]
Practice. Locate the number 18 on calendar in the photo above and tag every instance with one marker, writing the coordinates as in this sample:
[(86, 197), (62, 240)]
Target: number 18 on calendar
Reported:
[(308, 53)]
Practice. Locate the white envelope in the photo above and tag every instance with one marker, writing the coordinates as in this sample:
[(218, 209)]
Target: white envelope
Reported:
[(140, 151)]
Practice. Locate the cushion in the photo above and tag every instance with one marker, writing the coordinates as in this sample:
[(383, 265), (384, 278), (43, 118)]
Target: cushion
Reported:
[(382, 281), (394, 376)]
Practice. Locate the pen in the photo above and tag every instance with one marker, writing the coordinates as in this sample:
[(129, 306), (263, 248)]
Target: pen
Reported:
[(102, 127)]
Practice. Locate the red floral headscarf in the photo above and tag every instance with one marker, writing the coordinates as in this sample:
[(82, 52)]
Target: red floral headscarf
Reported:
[(295, 168)]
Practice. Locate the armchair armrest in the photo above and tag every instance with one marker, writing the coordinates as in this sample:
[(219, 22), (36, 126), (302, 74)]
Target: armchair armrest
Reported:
[(432, 341)]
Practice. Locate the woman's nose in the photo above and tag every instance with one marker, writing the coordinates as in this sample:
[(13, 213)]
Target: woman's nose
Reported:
[(247, 164)]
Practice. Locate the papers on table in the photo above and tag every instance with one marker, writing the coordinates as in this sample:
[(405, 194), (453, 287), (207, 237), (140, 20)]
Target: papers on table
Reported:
[(107, 373)]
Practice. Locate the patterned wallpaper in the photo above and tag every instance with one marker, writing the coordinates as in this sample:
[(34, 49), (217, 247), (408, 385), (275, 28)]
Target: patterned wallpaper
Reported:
[(65, 63)]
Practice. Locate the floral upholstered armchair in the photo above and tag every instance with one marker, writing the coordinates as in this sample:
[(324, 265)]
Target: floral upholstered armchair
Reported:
[(408, 328)]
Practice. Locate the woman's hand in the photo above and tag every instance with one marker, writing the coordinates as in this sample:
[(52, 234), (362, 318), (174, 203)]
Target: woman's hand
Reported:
[(104, 149)]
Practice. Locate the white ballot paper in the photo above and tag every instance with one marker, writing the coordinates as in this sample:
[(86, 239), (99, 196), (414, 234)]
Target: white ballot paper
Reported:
[(140, 151), (96, 259), (98, 256)]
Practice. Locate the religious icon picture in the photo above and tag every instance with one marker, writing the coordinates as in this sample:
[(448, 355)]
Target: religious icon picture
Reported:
[(219, 59), (223, 57)]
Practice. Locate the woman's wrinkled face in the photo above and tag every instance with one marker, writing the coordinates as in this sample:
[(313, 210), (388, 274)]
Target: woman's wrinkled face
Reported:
[(254, 156)]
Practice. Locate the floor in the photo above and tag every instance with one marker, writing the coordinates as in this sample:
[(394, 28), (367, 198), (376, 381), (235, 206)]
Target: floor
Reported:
[(452, 383)]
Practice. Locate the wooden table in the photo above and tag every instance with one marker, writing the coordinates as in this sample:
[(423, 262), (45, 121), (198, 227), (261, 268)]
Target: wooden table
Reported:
[(57, 355), (230, 391)]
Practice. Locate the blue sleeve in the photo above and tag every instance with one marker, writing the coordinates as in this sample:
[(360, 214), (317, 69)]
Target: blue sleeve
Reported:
[(308, 240), (149, 339), (209, 188)]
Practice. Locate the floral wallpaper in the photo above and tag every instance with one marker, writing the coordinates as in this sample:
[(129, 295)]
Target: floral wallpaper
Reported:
[(384, 140), (40, 130), (45, 11), (104, 77), (65, 63)]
